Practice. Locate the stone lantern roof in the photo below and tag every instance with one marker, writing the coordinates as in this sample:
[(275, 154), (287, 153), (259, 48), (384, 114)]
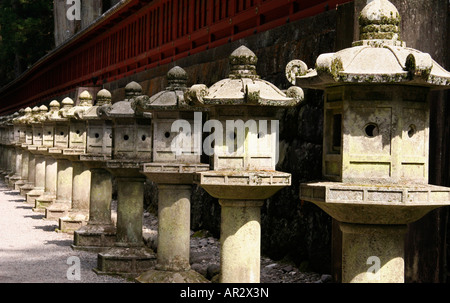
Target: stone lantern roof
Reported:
[(132, 89), (16, 119), (379, 57), (171, 98), (85, 98), (177, 78), (67, 105), (76, 112), (9, 119), (35, 110), (103, 99), (43, 108), (12, 118), (25, 115), (53, 111), (31, 118), (39, 114), (4, 119), (122, 109), (243, 86), (379, 20)]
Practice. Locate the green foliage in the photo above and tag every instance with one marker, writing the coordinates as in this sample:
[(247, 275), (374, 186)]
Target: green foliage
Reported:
[(26, 35)]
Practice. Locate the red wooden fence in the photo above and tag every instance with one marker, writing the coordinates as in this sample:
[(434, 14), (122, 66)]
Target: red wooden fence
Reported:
[(144, 34)]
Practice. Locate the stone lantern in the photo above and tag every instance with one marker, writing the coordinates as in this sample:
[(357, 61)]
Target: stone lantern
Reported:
[(100, 232), (3, 136), (38, 150), (99, 130), (25, 139), (172, 169), (51, 170), (8, 158), (375, 145), (132, 139), (243, 109), (22, 155), (25, 185), (63, 200), (3, 143), (76, 214)]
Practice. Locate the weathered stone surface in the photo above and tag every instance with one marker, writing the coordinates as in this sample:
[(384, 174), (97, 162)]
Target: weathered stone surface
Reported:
[(378, 204), (240, 239), (128, 256), (304, 39), (298, 233), (379, 245), (395, 199), (243, 85), (125, 261)]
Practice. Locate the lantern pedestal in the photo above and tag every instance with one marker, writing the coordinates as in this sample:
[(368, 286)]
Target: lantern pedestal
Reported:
[(174, 217), (14, 182), (100, 233), (240, 239), (78, 213), (373, 253), (51, 170), (129, 257), (12, 157), (63, 199), (373, 219), (29, 183), (49, 195), (241, 195), (39, 179), (376, 142)]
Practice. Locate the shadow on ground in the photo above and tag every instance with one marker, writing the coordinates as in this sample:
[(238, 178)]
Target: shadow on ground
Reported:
[(47, 227), (65, 243)]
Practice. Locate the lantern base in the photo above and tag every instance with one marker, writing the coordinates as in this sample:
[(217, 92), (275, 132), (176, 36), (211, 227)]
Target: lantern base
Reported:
[(242, 185), (15, 183), (26, 188), (125, 261), (43, 201), (57, 210), (373, 219), (94, 237), (74, 220), (375, 203), (34, 194)]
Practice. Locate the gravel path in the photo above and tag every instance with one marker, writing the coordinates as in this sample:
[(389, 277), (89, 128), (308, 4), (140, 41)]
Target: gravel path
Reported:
[(32, 252)]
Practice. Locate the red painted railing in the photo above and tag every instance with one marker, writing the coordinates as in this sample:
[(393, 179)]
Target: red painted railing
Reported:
[(144, 34)]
